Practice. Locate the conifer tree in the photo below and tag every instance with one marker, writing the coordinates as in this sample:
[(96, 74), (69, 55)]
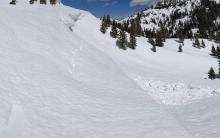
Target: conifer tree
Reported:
[(164, 33), (219, 66), (196, 43), (154, 48), (114, 31), (203, 44), (108, 21), (133, 41), (13, 2), (122, 40), (158, 40), (137, 23), (151, 41), (53, 2), (211, 74), (217, 51), (180, 48), (213, 51), (103, 27), (43, 2), (181, 37), (31, 1)]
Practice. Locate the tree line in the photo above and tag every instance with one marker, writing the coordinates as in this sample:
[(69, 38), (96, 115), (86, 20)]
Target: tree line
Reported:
[(119, 32), (52, 2), (203, 17)]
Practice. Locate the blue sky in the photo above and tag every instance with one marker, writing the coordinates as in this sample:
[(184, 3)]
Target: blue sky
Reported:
[(115, 8)]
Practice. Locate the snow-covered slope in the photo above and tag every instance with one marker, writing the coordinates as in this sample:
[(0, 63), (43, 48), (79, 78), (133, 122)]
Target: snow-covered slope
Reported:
[(61, 78), (187, 16), (167, 75), (152, 17)]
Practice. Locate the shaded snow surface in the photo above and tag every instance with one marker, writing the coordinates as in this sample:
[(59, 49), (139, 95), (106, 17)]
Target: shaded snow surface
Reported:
[(61, 78)]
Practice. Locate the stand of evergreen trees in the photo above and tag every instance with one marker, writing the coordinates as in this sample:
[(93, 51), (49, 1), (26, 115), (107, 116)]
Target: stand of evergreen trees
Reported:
[(203, 18), (105, 23), (119, 31), (215, 52), (198, 44), (52, 2), (114, 30), (122, 40), (43, 1)]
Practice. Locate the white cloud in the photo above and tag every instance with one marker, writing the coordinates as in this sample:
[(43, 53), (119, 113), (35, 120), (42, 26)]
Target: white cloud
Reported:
[(110, 3), (106, 2), (142, 2)]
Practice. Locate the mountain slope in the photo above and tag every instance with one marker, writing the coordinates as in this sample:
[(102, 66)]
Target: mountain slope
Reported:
[(61, 85), (60, 77), (186, 17)]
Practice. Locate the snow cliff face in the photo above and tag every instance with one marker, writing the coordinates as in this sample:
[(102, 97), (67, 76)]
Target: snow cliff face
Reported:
[(60, 77)]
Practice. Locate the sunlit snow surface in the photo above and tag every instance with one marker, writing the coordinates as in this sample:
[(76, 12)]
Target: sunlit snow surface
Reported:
[(61, 78)]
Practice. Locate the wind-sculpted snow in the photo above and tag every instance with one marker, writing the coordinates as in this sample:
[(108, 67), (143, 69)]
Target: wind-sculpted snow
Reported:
[(63, 86), (201, 118), (57, 83)]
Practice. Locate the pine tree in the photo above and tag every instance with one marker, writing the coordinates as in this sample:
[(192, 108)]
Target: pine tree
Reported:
[(211, 74), (103, 27), (151, 41), (180, 48), (164, 33), (196, 43), (219, 66), (154, 48), (213, 51), (43, 2), (203, 44), (122, 40), (13, 2), (137, 23), (108, 21), (158, 40), (133, 41), (218, 51), (114, 31), (181, 37), (53, 2), (31, 1)]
